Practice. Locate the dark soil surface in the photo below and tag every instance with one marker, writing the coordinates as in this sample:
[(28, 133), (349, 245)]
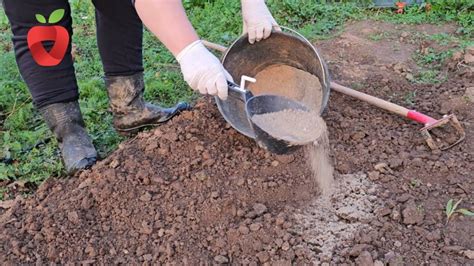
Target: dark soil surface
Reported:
[(196, 191)]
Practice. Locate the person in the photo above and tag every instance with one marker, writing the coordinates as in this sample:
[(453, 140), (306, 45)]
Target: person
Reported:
[(52, 81)]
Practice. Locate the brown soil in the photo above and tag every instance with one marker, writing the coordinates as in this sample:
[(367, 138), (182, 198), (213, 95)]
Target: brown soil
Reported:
[(194, 190), (294, 126), (191, 191), (283, 80)]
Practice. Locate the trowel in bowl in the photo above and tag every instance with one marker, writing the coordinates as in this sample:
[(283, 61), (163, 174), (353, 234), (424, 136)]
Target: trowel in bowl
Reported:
[(263, 104)]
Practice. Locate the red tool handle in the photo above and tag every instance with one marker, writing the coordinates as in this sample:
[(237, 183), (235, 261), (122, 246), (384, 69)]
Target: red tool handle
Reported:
[(391, 107), (421, 118)]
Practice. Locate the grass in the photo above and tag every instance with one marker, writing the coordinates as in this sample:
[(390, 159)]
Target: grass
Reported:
[(432, 60), (29, 152), (429, 76), (432, 57), (442, 11)]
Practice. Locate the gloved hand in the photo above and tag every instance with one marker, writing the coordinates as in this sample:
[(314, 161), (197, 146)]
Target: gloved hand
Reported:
[(203, 71), (258, 21)]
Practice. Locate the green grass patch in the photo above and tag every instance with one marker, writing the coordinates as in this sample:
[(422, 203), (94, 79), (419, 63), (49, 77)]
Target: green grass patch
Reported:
[(432, 58), (442, 11), (430, 76)]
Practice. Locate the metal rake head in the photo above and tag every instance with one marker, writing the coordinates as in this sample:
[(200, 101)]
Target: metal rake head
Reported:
[(440, 143)]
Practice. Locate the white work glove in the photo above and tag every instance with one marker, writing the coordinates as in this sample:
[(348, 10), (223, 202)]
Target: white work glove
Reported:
[(203, 71), (258, 21)]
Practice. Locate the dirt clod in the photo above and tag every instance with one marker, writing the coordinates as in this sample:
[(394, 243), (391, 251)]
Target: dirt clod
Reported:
[(412, 213), (259, 209), (73, 217), (364, 259), (221, 259)]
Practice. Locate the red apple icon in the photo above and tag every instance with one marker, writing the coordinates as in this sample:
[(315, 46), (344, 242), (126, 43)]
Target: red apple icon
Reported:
[(58, 34)]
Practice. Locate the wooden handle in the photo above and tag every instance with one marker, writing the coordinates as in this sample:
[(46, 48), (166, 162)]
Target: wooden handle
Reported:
[(391, 107), (214, 46)]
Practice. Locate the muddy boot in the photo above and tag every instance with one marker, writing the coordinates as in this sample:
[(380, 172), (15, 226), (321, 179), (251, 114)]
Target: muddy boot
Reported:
[(65, 121), (130, 110)]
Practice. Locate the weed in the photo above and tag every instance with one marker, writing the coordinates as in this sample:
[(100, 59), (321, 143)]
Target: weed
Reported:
[(432, 58), (442, 38), (453, 208), (429, 76), (357, 85), (420, 208), (410, 98), (414, 183), (430, 62), (3, 192), (379, 36)]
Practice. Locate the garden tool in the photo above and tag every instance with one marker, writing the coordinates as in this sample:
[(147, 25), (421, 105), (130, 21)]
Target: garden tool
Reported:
[(262, 104), (428, 122)]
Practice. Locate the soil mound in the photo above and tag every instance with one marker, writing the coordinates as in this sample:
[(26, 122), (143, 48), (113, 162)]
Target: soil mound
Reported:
[(190, 191)]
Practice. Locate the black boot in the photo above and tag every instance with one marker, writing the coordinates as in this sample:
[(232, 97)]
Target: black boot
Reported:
[(65, 121), (130, 110)]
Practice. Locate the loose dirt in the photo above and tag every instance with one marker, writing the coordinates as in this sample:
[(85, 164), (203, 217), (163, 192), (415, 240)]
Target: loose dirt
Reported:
[(290, 82), (292, 125), (196, 191), (192, 191)]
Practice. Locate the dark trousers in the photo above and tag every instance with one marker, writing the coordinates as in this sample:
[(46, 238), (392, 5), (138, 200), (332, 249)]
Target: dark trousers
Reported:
[(119, 38)]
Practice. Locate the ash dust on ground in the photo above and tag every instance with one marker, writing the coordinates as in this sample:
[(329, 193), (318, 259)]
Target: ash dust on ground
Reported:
[(196, 191)]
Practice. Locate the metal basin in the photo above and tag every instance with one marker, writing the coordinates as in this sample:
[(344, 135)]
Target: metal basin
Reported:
[(286, 48)]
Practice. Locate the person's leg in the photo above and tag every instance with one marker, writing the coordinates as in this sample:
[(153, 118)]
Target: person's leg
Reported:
[(50, 77), (119, 37), (47, 84)]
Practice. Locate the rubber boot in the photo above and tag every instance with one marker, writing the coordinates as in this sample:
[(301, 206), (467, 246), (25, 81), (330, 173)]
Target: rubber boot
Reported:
[(130, 110), (65, 121)]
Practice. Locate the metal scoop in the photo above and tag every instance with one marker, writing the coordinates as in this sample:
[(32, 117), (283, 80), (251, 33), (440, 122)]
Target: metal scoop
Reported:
[(262, 104)]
